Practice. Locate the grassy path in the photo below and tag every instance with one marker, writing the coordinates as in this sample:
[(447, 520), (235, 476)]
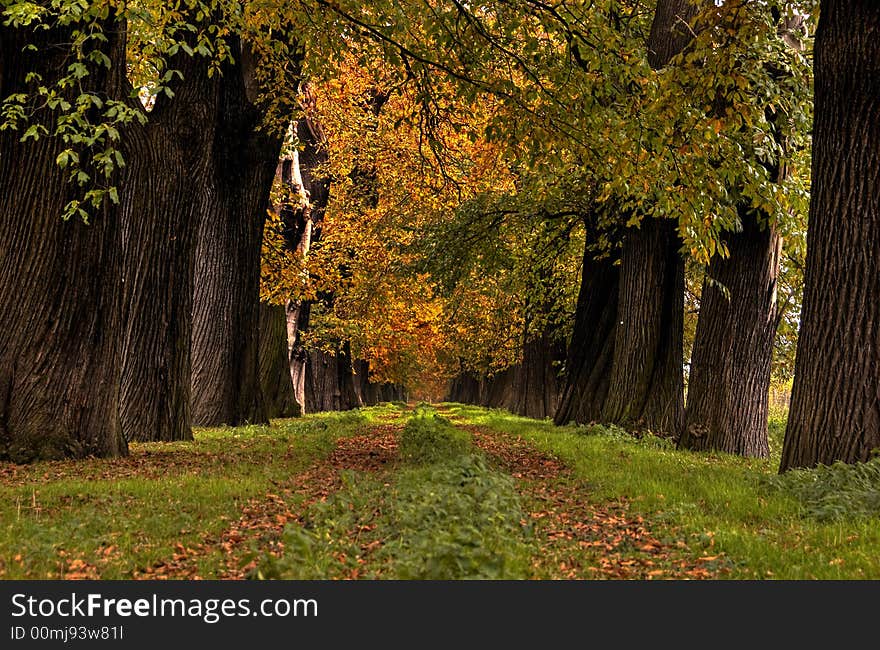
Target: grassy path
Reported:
[(337, 495), (263, 519), (580, 538), (169, 510)]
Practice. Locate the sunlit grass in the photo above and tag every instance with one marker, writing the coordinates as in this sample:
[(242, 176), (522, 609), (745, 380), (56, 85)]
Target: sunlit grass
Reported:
[(118, 517), (766, 533)]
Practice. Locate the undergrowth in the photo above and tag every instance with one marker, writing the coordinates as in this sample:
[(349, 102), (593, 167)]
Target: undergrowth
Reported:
[(834, 492), (430, 438)]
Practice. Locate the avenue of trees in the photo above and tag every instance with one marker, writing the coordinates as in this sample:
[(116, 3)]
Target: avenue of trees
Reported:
[(217, 212)]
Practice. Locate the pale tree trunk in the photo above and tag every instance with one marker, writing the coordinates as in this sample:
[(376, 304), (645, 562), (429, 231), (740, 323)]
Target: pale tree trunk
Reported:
[(322, 380)]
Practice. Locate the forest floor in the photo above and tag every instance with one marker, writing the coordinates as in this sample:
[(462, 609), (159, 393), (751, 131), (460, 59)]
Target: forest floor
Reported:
[(333, 496)]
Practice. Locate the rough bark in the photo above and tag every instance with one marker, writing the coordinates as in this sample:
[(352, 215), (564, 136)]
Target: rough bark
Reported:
[(226, 387), (728, 398), (588, 362), (646, 387), (169, 158), (391, 392), (671, 30), (329, 381), (277, 385), (728, 391), (624, 363), (499, 389), (647, 384), (835, 402), (535, 380), (60, 287), (529, 388)]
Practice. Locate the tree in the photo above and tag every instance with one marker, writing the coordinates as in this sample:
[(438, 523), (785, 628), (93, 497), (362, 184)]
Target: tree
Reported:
[(733, 347), (645, 382), (323, 378), (168, 160), (226, 386), (835, 403), (61, 320), (288, 231), (274, 363), (591, 348), (730, 368)]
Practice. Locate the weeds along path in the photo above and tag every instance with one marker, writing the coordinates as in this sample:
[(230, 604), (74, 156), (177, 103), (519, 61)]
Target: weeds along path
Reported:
[(260, 527), (579, 538)]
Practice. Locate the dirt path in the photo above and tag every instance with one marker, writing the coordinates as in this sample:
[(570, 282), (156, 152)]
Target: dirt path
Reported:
[(263, 520), (579, 538)]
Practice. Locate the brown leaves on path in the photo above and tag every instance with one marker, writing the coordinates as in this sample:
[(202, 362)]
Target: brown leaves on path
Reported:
[(582, 539), (262, 521)]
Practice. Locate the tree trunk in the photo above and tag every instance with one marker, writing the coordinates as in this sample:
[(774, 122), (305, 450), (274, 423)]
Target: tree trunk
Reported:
[(297, 313), (670, 30), (371, 394), (728, 391), (464, 388), (361, 380), (168, 161), (835, 402), (60, 320), (624, 363), (226, 385), (275, 379), (588, 363), (646, 387), (309, 369), (500, 390), (535, 380), (329, 381)]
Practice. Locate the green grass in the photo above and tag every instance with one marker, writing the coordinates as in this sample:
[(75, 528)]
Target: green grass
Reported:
[(428, 438), (442, 514), (767, 531), (120, 516), (438, 515)]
